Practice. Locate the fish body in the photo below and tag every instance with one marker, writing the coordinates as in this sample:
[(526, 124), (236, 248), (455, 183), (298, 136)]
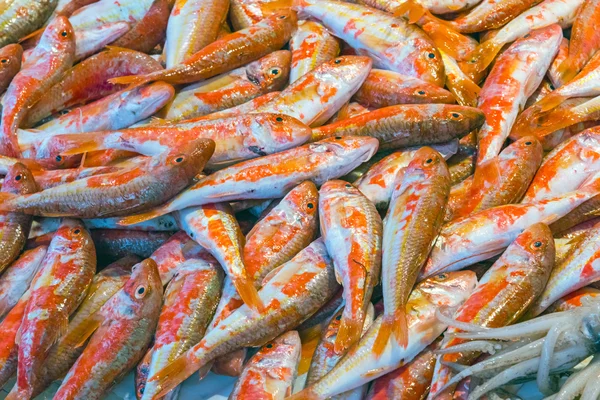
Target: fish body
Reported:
[(10, 59), (14, 226), (127, 322), (15, 281), (61, 284), (491, 14), (9, 350), (311, 45), (271, 372), (244, 13), (352, 231), (413, 221), (193, 25), (392, 43), (270, 73), (114, 244), (573, 300), (53, 55), (319, 94), (19, 18), (274, 175), (149, 31), (296, 291), (105, 12)]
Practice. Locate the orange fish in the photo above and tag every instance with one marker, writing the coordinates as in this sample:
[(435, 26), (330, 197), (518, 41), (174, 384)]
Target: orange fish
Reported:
[(10, 64)]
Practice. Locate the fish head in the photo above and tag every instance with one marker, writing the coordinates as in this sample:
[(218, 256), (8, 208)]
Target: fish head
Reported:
[(527, 150), (348, 71), (284, 20), (304, 200), (10, 57), (58, 36), (357, 148), (463, 118), (534, 249), (282, 347), (19, 180), (426, 164), (448, 290), (272, 71), (71, 236), (189, 158), (426, 61), (142, 293), (272, 133)]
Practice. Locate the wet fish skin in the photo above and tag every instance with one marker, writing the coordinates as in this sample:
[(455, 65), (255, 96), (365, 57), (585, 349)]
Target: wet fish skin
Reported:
[(50, 59), (15, 281), (9, 327), (10, 59), (573, 300), (412, 223), (61, 284), (191, 299), (297, 290), (244, 13), (272, 176), (311, 45), (352, 230), (271, 372), (148, 32), (67, 350), (14, 226), (128, 321), (22, 17), (113, 244), (490, 14), (407, 125)]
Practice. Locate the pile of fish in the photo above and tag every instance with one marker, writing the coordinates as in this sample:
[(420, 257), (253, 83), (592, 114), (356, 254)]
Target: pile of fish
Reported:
[(361, 199)]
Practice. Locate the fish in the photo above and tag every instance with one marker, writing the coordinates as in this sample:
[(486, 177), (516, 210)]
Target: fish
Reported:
[(15, 280), (151, 182), (392, 43), (387, 88), (223, 55), (311, 45), (68, 7), (576, 270), (67, 350), (573, 300), (352, 231), (113, 244), (103, 12), (490, 14), (22, 17), (271, 372), (545, 14), (215, 228), (241, 109), (325, 357), (502, 180), (361, 365), (407, 125), (338, 79), (9, 349), (584, 41), (516, 75), (271, 176), (244, 13), (149, 31), (191, 299), (127, 322), (409, 382), (60, 286), (10, 64), (193, 25), (294, 292), (502, 296), (87, 81), (348, 110), (410, 227), (15, 226), (460, 84), (50, 59), (268, 74), (435, 6)]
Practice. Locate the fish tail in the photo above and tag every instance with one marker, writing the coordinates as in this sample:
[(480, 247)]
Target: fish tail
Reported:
[(401, 327), (306, 394), (138, 218), (484, 54), (384, 334), (550, 101), (248, 293), (173, 374), (412, 9), (349, 333), (465, 90), (567, 70)]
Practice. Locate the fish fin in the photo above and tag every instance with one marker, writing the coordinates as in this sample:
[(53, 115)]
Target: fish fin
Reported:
[(138, 218), (204, 370), (82, 148), (383, 336), (33, 34), (87, 328), (550, 101), (63, 327), (248, 293), (18, 336), (411, 8), (484, 54), (131, 80), (306, 394), (566, 70), (270, 275), (401, 327), (348, 334), (173, 374), (117, 48)]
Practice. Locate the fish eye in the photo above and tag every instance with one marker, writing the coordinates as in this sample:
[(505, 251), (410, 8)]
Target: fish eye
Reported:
[(310, 205), (18, 177), (338, 61), (421, 92), (442, 276), (431, 55), (269, 346), (140, 292), (179, 159), (4, 60), (348, 185), (76, 231), (141, 390), (537, 244), (338, 137), (527, 143), (338, 317), (58, 158), (283, 17), (279, 119), (455, 115), (64, 34), (275, 71), (63, 112), (429, 161), (551, 87)]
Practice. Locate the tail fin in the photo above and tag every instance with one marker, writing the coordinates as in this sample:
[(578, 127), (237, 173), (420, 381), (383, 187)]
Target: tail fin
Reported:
[(173, 374), (567, 71), (411, 8), (484, 54), (550, 101), (348, 334), (138, 218), (384, 334), (248, 293)]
